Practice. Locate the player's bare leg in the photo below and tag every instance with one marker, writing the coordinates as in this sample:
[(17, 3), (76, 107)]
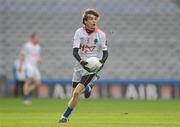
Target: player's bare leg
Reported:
[(74, 85), (72, 102), (26, 91), (75, 96), (73, 88), (37, 84), (88, 88)]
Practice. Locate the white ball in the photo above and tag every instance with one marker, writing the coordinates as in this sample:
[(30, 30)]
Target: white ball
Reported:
[(93, 63)]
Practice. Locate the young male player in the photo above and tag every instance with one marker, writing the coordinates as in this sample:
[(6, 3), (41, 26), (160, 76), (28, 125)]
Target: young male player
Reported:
[(89, 41), (30, 57)]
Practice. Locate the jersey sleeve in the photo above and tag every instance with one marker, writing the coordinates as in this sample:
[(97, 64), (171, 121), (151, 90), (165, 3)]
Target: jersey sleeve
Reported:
[(104, 42), (76, 41)]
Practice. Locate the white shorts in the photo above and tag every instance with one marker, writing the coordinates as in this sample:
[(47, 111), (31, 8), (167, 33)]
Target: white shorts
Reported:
[(79, 72), (33, 72)]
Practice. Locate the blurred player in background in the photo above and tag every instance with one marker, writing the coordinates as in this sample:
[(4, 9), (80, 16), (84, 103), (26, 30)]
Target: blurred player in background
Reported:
[(30, 57), (19, 77), (89, 41)]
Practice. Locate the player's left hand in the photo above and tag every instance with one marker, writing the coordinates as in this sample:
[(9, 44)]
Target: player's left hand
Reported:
[(101, 62)]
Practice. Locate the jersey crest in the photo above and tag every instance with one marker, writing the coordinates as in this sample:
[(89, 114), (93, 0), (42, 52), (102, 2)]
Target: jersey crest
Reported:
[(95, 41)]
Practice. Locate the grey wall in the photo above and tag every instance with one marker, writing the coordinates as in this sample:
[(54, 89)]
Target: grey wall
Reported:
[(143, 35)]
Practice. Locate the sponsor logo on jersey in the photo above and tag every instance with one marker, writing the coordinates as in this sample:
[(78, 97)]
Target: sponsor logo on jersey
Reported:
[(87, 48)]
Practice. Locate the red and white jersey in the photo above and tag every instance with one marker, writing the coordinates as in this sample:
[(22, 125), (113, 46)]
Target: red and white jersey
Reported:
[(31, 53), (90, 45)]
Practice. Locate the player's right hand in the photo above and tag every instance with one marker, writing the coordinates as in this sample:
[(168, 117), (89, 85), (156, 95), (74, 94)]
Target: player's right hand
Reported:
[(84, 63)]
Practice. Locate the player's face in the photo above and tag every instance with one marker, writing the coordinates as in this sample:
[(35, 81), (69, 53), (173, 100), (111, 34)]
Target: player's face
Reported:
[(35, 39), (91, 22)]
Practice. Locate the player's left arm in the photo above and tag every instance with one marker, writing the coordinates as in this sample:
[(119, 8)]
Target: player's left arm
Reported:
[(104, 57), (104, 48), (39, 56)]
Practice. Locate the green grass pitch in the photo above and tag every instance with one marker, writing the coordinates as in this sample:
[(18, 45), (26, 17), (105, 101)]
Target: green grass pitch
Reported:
[(90, 113)]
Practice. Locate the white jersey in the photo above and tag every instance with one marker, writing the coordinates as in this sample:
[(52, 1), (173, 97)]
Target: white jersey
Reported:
[(31, 53), (90, 45)]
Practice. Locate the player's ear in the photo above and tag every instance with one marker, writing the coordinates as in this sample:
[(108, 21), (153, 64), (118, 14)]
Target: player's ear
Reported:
[(85, 21)]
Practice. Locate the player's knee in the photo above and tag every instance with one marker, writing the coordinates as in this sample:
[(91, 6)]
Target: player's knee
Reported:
[(76, 93)]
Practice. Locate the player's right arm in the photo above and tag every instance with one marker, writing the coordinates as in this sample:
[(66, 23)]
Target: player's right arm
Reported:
[(22, 53), (76, 46)]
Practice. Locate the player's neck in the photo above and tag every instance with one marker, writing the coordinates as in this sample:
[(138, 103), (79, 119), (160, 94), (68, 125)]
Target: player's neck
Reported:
[(89, 31), (33, 43)]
